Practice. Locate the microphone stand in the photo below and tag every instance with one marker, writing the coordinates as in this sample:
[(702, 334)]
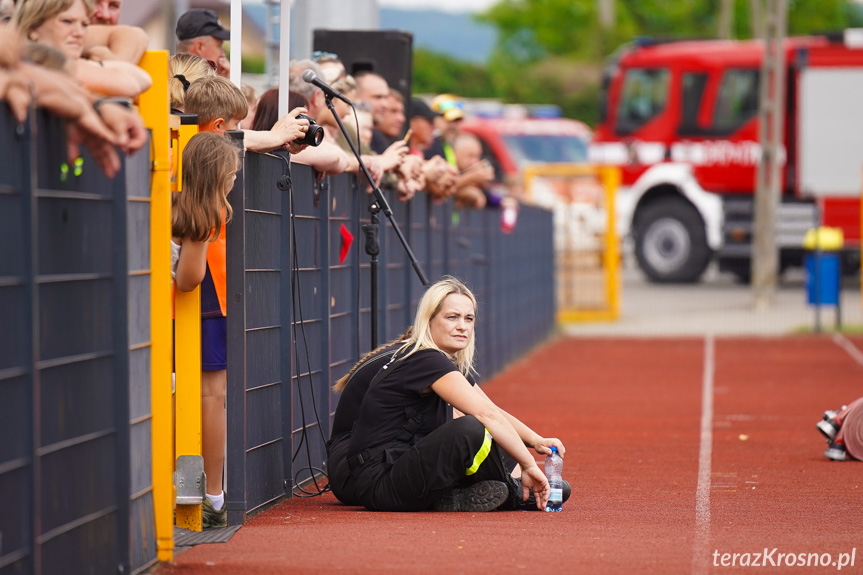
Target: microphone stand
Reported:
[(371, 230)]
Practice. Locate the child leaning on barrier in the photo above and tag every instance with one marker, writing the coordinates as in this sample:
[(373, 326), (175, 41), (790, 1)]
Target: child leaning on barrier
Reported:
[(198, 217)]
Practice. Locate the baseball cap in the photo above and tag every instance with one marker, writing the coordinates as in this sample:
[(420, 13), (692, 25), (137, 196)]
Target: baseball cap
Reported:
[(420, 109), (201, 22), (449, 106)]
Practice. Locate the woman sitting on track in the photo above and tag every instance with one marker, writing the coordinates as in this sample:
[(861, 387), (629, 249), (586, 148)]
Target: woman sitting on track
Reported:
[(405, 452)]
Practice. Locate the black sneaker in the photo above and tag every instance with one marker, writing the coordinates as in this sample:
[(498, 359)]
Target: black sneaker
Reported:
[(530, 504), (212, 519), (835, 451), (476, 497)]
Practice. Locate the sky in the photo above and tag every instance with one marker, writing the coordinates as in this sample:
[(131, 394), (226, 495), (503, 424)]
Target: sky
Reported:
[(448, 5)]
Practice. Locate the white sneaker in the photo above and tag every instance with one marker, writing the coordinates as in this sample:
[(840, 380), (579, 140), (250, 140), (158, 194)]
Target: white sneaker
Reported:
[(836, 452)]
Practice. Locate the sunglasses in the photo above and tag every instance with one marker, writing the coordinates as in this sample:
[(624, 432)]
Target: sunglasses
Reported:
[(450, 104), (318, 55)]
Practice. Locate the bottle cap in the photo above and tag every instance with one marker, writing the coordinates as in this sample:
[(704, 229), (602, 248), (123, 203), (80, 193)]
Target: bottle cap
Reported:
[(554, 449)]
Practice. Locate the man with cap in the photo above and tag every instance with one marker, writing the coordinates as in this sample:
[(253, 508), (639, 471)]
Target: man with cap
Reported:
[(447, 126), (439, 175), (421, 119), (199, 32)]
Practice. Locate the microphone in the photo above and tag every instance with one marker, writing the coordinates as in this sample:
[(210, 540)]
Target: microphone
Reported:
[(310, 77)]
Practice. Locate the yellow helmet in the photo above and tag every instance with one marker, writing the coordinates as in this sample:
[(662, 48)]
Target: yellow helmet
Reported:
[(449, 106)]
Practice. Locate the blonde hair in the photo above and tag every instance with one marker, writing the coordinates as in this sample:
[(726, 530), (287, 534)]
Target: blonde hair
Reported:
[(250, 93), (429, 306), (215, 97), (209, 164), (30, 14), (191, 68), (345, 84)]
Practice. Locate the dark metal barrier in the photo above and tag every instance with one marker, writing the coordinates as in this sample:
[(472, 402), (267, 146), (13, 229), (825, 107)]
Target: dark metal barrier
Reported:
[(287, 275), (75, 438), (75, 448)]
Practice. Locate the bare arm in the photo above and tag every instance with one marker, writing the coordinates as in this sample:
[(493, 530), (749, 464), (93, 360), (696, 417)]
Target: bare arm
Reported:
[(126, 43), (287, 129), (455, 390), (327, 158), (393, 155), (112, 78), (530, 438), (192, 265)]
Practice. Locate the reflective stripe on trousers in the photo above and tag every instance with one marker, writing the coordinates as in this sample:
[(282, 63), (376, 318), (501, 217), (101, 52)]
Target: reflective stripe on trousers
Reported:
[(480, 456)]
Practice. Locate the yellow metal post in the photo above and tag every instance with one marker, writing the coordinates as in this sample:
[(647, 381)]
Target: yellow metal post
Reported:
[(187, 322), (155, 108), (610, 176), (566, 183), (187, 355)]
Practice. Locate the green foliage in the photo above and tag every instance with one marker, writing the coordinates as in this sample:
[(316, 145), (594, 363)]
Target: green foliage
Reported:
[(254, 64), (436, 74), (532, 29), (552, 51)]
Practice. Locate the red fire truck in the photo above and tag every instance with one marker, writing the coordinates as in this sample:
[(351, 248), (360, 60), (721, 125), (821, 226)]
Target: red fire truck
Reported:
[(681, 120)]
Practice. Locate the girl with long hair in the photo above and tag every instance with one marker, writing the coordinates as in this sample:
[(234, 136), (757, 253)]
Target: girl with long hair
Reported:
[(198, 214)]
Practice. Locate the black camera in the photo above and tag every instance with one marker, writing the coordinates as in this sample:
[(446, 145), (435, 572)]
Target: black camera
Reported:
[(314, 136)]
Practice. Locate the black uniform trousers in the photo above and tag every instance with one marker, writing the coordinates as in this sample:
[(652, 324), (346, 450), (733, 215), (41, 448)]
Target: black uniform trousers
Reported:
[(338, 472), (403, 477)]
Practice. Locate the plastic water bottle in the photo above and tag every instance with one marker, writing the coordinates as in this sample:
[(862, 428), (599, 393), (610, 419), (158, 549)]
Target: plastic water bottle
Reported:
[(553, 471)]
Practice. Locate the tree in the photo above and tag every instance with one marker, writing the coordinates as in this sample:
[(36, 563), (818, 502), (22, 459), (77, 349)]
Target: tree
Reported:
[(438, 74), (552, 51)]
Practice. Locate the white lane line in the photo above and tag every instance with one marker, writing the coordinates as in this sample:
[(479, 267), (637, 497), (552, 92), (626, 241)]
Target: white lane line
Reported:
[(701, 552), (849, 347)]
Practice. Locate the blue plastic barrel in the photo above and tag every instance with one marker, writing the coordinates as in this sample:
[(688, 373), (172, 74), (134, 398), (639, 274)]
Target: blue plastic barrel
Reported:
[(822, 278)]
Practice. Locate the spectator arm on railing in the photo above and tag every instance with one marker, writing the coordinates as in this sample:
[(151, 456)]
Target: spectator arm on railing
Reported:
[(15, 91), (286, 130), (112, 77), (126, 124), (327, 158), (125, 43)]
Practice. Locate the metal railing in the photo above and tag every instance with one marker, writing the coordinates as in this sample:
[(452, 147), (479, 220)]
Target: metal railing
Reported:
[(85, 347)]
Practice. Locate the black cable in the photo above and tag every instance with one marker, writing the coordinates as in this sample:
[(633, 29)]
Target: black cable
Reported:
[(358, 195), (296, 300)]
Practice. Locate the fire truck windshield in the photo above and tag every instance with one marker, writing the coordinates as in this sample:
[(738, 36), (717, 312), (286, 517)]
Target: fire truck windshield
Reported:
[(644, 94), (737, 101), (527, 149)]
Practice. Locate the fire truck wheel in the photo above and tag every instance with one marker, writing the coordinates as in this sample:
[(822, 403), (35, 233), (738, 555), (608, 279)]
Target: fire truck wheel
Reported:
[(670, 242)]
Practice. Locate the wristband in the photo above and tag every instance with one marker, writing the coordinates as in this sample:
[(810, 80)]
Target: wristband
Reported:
[(125, 102)]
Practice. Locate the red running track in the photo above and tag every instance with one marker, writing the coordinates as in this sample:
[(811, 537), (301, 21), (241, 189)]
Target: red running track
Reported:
[(679, 451)]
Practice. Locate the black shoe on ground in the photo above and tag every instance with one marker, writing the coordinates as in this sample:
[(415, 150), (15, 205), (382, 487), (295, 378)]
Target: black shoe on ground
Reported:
[(477, 497), (212, 519), (530, 504), (836, 452)]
